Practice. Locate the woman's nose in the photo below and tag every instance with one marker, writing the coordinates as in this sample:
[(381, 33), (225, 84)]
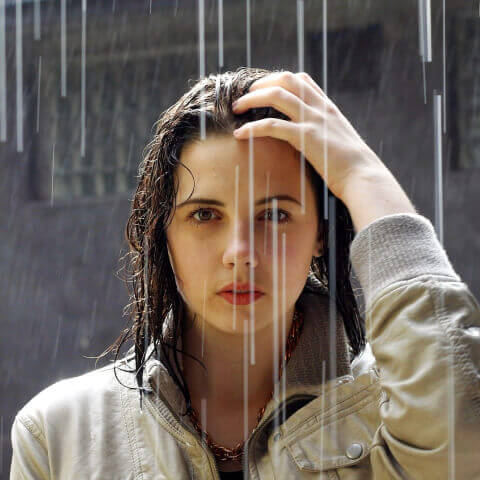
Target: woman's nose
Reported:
[(238, 251)]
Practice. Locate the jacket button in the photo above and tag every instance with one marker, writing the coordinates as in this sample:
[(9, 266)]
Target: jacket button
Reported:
[(354, 451), (276, 437)]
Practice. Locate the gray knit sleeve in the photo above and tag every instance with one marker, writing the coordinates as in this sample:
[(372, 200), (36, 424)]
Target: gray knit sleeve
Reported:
[(397, 247)]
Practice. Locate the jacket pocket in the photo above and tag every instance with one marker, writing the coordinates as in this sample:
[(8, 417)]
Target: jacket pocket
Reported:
[(338, 439)]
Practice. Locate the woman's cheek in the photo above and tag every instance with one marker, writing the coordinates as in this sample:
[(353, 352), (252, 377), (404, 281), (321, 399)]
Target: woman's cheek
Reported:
[(292, 254), (191, 272), (297, 263)]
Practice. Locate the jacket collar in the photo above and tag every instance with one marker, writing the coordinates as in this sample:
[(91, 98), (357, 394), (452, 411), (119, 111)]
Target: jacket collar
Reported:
[(322, 354)]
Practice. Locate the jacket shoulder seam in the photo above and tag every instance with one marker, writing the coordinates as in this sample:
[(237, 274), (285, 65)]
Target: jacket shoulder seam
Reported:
[(131, 435), (425, 279), (459, 351), (32, 427)]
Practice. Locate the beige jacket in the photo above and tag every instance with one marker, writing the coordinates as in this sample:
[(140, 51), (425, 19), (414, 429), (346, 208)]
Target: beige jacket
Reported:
[(410, 410)]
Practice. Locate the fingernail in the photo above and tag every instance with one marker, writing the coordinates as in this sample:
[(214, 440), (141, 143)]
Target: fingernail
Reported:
[(235, 104)]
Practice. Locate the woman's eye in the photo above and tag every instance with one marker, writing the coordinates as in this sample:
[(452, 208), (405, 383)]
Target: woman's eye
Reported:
[(202, 218), (203, 215), (285, 219)]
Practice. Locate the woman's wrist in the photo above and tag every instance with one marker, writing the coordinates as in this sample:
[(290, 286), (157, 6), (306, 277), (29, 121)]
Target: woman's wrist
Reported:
[(372, 193)]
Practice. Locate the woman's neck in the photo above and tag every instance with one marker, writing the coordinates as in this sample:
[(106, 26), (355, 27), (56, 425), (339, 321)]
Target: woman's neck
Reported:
[(226, 357)]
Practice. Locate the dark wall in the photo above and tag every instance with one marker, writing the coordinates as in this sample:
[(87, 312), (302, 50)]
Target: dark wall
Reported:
[(62, 300)]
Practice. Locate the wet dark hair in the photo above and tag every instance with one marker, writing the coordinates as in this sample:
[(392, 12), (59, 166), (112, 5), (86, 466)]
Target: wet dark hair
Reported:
[(155, 292)]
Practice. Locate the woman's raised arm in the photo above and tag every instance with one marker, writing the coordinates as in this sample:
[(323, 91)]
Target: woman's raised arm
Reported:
[(352, 171), (422, 322)]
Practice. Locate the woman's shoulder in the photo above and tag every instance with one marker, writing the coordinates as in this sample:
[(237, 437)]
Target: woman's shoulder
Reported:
[(74, 425), (73, 396)]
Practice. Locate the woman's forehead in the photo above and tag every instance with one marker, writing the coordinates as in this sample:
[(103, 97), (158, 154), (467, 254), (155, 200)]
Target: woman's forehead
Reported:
[(216, 162)]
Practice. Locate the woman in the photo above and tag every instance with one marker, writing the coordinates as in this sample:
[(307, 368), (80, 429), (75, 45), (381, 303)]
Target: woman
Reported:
[(278, 381)]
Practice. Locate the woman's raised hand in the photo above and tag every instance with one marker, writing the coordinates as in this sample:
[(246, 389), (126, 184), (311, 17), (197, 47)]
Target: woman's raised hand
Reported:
[(330, 143)]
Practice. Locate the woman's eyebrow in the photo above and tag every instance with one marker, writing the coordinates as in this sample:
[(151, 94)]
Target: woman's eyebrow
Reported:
[(211, 201)]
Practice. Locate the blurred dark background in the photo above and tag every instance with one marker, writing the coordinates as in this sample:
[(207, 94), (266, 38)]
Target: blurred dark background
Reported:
[(68, 165)]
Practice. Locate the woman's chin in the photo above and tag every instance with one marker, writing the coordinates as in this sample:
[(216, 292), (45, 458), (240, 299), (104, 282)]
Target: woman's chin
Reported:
[(243, 324)]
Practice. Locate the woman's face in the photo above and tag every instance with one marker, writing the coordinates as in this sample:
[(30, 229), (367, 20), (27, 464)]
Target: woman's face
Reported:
[(209, 243)]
